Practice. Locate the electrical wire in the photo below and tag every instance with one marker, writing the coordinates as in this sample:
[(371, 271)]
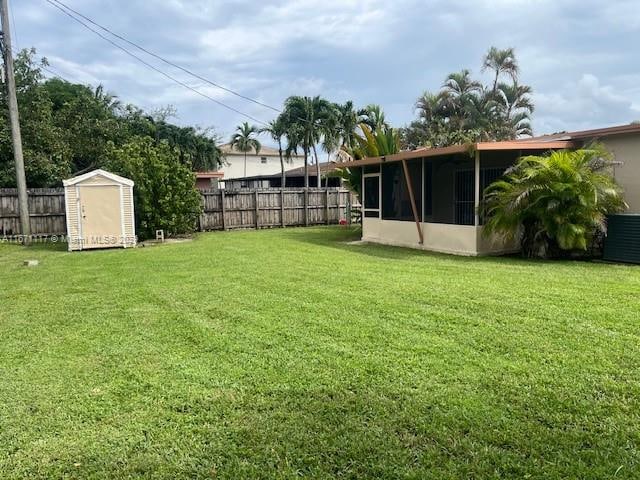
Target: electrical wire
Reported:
[(156, 69), (168, 62)]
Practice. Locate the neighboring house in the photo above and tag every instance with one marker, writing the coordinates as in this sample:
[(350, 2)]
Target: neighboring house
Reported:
[(266, 162), (208, 180), (294, 178), (447, 185)]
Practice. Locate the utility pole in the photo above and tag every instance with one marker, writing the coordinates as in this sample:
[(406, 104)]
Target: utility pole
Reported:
[(23, 200)]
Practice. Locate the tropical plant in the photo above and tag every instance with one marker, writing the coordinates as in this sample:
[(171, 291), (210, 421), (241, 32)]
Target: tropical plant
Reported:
[(371, 143), (556, 203), (244, 141), (373, 116), (306, 119), (165, 195), (464, 110), (347, 123), (277, 130), (501, 62)]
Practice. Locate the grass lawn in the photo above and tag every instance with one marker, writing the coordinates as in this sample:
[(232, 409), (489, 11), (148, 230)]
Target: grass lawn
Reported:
[(288, 353)]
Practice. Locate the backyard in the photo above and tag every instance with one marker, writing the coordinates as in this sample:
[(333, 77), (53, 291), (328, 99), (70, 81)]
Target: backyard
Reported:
[(292, 353)]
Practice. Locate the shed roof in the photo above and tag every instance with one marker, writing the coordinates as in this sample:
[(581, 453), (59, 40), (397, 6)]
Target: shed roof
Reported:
[(95, 173)]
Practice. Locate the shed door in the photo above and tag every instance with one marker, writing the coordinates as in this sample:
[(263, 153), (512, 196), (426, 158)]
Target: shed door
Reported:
[(101, 216)]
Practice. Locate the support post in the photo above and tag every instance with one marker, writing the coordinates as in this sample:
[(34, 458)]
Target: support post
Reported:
[(282, 223), (414, 209), (476, 201), (256, 210), (224, 210), (16, 138), (326, 205)]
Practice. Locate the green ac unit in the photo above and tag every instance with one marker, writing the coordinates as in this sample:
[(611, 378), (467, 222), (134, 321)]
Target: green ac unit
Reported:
[(622, 243)]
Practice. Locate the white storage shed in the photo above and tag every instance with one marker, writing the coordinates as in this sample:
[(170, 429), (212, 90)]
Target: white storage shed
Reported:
[(99, 209)]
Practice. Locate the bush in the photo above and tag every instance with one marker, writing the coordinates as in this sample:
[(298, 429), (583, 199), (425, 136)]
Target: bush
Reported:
[(165, 195), (557, 203)]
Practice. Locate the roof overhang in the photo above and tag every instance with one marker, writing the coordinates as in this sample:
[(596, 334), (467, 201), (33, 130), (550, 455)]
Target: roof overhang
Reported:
[(95, 173), (206, 175), (470, 149)]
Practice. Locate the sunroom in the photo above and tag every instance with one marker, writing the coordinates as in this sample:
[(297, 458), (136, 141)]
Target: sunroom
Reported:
[(429, 198)]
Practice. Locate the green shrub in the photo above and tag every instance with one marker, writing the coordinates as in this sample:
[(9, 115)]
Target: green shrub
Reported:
[(165, 195), (557, 204)]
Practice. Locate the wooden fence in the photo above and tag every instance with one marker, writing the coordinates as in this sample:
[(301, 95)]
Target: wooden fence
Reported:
[(46, 212), (263, 208), (222, 210)]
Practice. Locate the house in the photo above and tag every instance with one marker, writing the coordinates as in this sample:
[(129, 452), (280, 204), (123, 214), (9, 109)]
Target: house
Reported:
[(428, 198), (294, 178), (265, 162), (208, 180)]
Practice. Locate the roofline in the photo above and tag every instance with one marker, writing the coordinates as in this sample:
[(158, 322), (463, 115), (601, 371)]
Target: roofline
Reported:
[(93, 173), (209, 174), (466, 148), (602, 132)]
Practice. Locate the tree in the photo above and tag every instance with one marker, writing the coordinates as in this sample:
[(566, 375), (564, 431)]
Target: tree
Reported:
[(277, 129), (464, 110), (557, 203), (306, 119), (501, 62), (373, 116), (347, 122), (164, 194), (371, 143), (244, 141)]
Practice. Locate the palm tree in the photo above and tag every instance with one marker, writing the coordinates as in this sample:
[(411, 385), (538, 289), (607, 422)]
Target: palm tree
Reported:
[(244, 141), (559, 202), (501, 62), (106, 99), (516, 107), (306, 118), (347, 122), (373, 115), (277, 130)]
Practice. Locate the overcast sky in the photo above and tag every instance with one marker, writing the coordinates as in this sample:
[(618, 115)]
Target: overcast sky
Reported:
[(581, 57)]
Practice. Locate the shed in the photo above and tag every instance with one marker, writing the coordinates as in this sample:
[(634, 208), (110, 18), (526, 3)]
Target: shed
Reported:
[(99, 210)]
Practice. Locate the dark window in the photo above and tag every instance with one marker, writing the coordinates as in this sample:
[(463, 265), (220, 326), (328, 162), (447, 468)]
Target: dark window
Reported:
[(372, 193), (372, 169), (263, 159), (428, 188), (372, 214), (396, 202), (465, 192)]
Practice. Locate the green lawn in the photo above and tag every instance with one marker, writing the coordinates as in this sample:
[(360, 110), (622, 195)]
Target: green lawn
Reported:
[(289, 353)]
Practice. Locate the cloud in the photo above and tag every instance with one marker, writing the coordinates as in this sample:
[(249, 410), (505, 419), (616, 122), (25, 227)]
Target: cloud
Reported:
[(576, 54)]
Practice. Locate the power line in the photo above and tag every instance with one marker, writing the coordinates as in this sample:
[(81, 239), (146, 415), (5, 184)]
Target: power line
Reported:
[(156, 69), (168, 62)]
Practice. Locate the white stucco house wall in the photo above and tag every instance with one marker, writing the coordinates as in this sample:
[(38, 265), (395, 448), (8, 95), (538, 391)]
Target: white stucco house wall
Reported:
[(266, 162)]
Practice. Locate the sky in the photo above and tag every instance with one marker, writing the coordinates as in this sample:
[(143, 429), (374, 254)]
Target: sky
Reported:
[(580, 57)]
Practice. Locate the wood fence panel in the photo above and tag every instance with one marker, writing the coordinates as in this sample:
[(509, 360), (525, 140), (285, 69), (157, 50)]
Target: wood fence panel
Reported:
[(222, 209)]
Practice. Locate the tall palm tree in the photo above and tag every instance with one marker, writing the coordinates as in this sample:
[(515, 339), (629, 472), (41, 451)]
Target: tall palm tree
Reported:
[(373, 115), (106, 99), (501, 62), (516, 107), (306, 118), (244, 141), (277, 129), (347, 121)]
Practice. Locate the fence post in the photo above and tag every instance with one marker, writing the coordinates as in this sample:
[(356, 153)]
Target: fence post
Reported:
[(257, 211), (306, 207), (282, 222), (224, 210), (326, 205)]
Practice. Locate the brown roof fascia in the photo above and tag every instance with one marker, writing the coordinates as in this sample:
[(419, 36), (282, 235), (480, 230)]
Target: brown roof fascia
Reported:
[(456, 149)]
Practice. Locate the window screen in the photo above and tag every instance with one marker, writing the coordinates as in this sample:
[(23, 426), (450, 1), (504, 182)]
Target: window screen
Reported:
[(428, 188), (372, 193), (396, 202)]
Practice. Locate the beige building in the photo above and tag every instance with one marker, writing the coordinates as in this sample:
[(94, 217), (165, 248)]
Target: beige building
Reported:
[(439, 212), (265, 162)]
